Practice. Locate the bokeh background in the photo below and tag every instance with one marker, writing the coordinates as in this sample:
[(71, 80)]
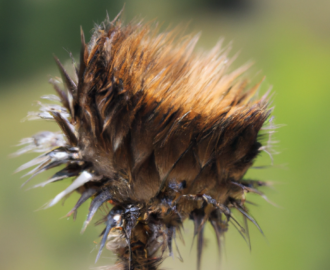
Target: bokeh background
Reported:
[(290, 44)]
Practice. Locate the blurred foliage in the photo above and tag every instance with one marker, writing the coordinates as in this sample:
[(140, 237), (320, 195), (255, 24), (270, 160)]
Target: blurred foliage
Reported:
[(289, 40), (33, 30)]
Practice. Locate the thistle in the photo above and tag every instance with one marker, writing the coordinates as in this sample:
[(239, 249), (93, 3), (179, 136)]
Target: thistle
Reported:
[(159, 132)]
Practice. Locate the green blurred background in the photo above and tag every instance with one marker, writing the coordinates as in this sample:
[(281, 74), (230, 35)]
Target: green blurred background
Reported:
[(290, 44)]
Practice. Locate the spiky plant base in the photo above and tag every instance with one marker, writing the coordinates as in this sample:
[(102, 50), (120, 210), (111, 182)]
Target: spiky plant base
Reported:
[(159, 132)]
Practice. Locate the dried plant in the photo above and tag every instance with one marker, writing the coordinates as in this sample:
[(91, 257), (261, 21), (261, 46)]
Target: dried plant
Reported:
[(161, 133)]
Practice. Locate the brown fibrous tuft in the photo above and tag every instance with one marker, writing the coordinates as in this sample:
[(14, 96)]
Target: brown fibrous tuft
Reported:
[(158, 131)]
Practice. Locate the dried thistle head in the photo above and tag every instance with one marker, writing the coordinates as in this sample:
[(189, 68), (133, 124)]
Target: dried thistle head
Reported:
[(157, 131)]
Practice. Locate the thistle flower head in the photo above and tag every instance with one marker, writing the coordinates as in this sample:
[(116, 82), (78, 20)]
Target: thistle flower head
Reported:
[(161, 133)]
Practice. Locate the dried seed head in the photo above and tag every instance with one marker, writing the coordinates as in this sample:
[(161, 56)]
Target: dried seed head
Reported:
[(161, 133)]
